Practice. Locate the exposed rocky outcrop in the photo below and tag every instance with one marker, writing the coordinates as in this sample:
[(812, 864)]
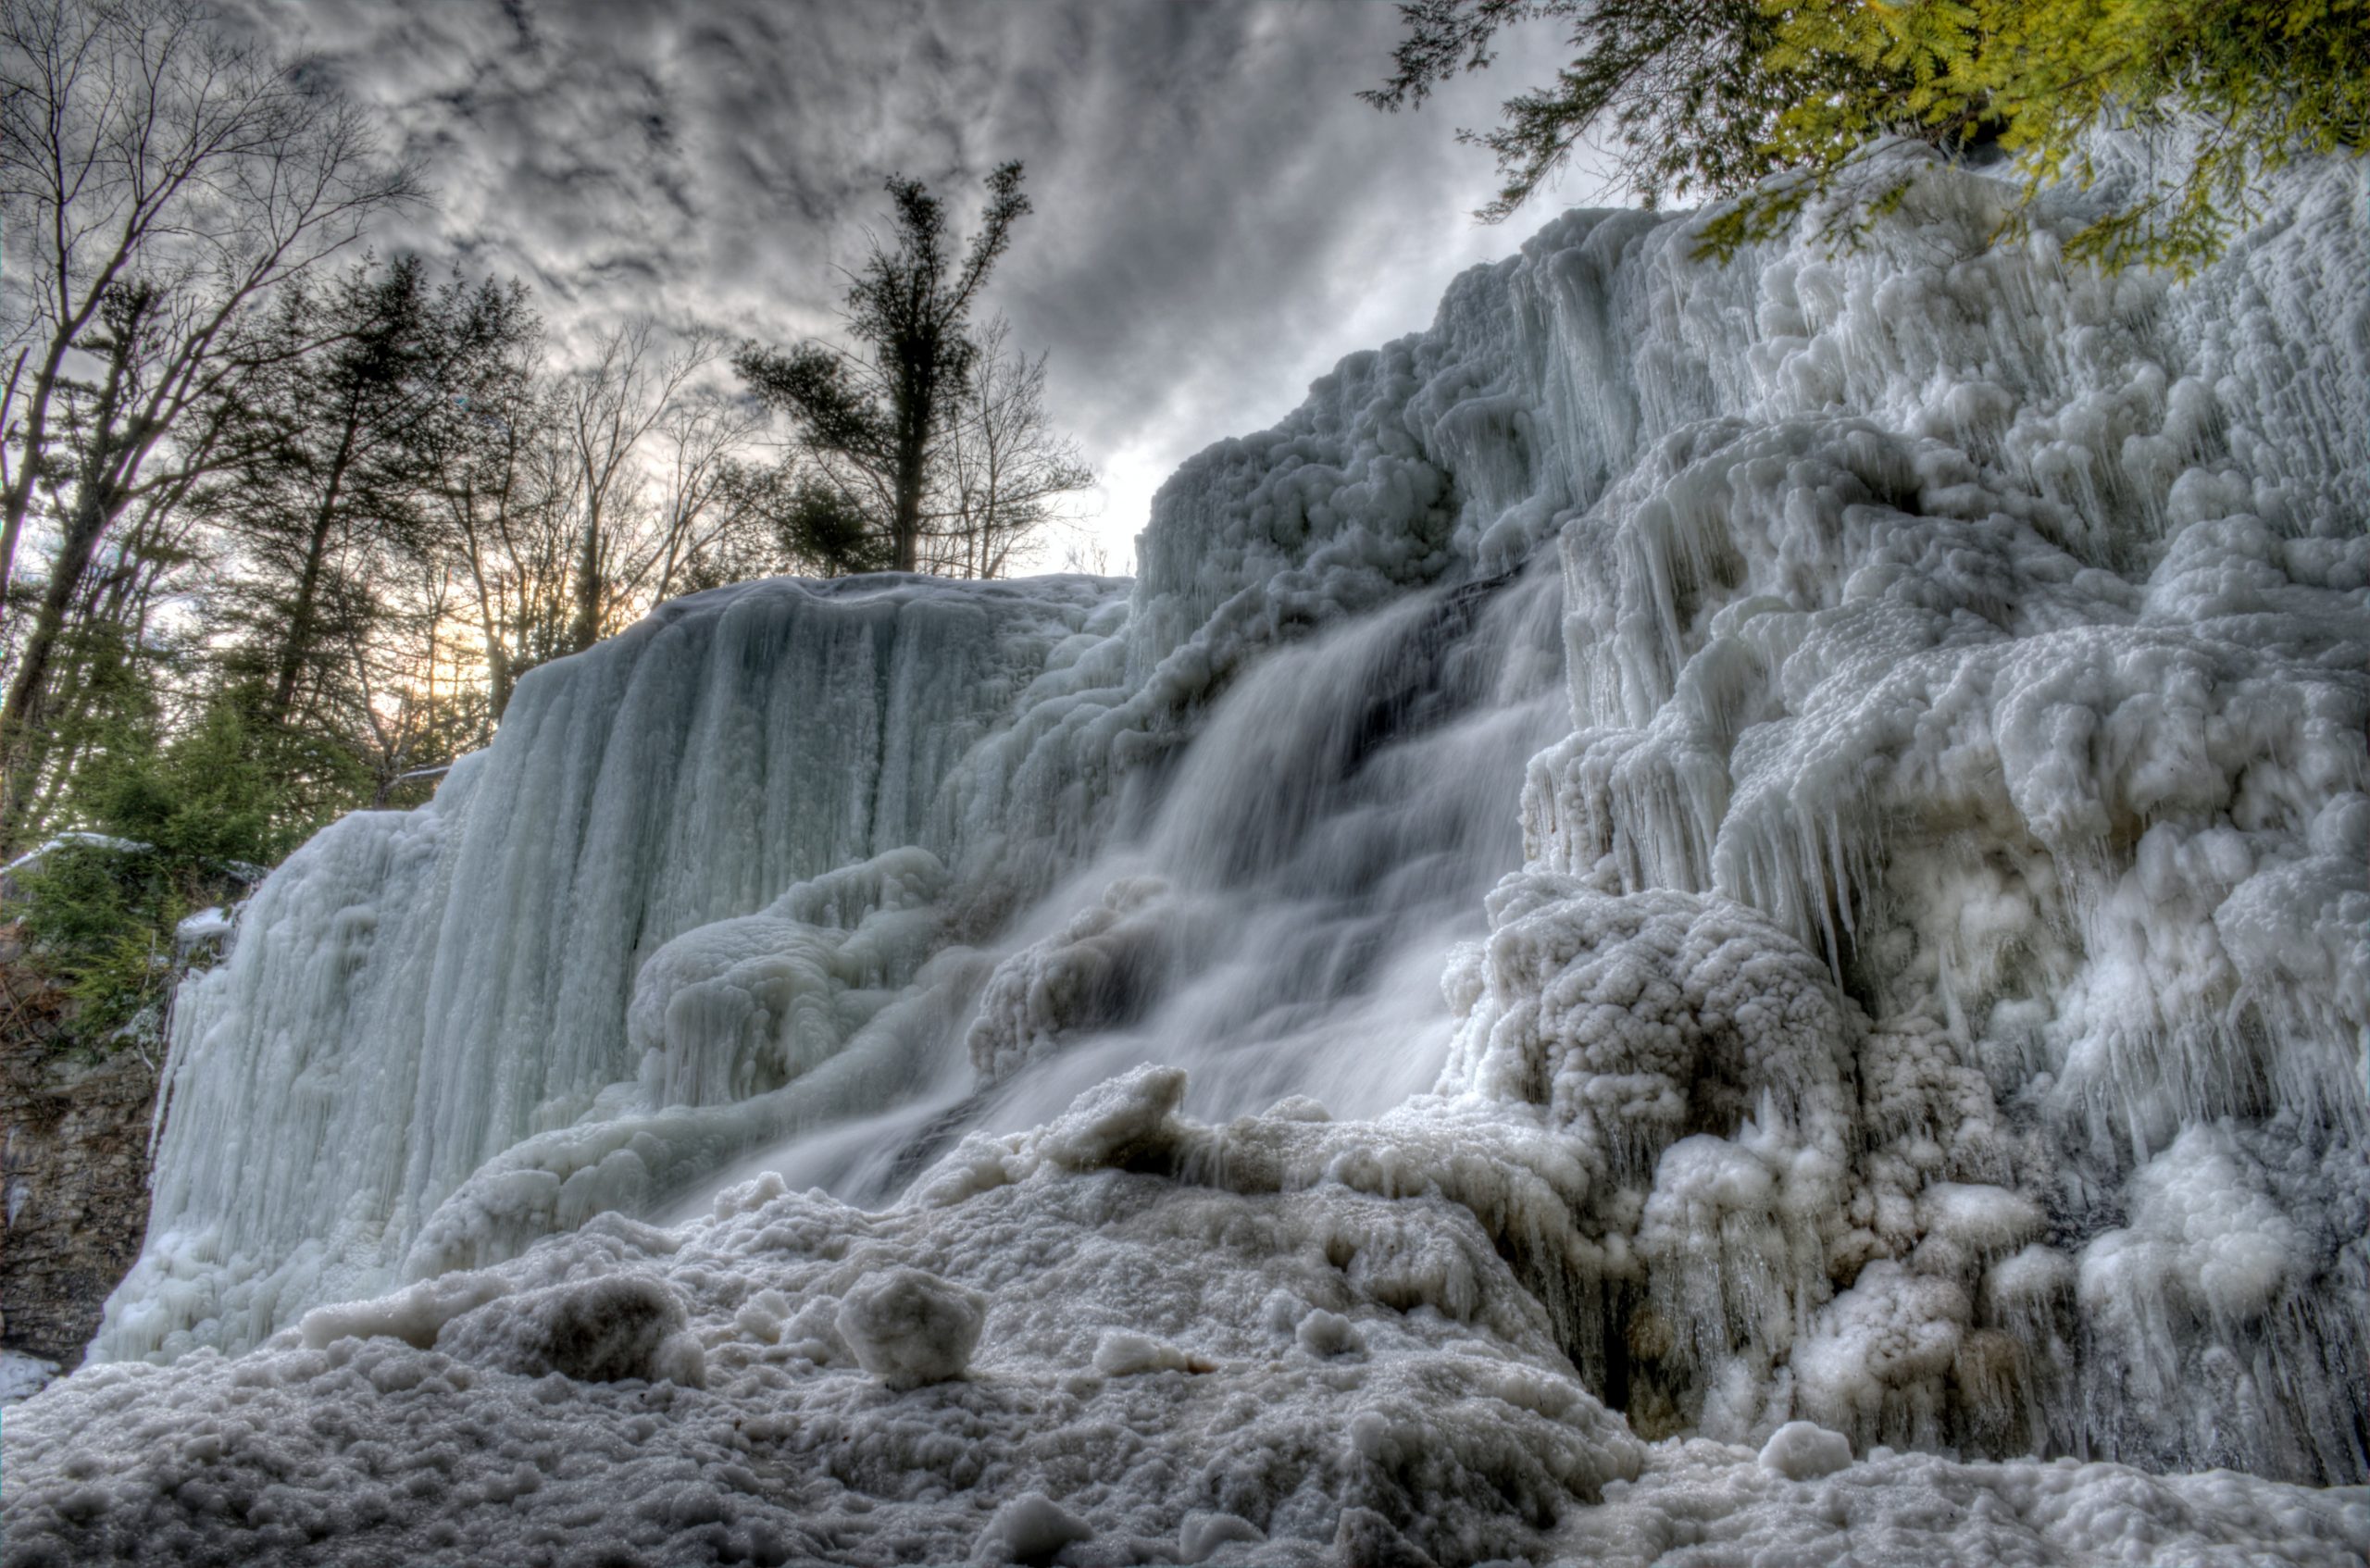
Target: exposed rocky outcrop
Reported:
[(73, 1170)]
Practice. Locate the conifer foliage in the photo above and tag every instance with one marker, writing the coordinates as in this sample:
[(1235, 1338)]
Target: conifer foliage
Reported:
[(929, 443), (1710, 98), (284, 521)]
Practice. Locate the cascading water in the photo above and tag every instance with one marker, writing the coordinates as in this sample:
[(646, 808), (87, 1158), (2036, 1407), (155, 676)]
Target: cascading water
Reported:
[(1272, 910), (1705, 870)]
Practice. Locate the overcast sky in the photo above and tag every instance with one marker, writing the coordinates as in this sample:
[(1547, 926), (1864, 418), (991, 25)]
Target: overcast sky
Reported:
[(1218, 218)]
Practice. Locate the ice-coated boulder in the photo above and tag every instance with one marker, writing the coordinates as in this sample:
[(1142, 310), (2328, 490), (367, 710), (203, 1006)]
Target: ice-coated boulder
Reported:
[(907, 1327), (600, 1330), (1803, 1450)]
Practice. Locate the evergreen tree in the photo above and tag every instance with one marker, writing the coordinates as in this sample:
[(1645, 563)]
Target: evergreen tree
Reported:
[(874, 422), (173, 825), (817, 529), (342, 609), (1710, 97), (346, 404)]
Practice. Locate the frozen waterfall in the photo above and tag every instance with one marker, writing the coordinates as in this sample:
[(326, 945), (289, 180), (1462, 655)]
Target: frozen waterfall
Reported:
[(1698, 849)]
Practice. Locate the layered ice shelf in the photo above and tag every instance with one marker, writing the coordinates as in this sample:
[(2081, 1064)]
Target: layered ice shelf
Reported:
[(1714, 908)]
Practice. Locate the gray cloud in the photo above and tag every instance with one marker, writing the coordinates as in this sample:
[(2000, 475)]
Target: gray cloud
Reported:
[(1218, 218)]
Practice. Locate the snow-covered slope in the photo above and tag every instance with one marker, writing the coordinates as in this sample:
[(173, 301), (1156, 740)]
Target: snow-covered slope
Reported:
[(1700, 872)]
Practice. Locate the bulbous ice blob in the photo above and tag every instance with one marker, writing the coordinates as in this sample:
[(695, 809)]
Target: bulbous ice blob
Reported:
[(908, 1328), (1803, 1450), (601, 1330)]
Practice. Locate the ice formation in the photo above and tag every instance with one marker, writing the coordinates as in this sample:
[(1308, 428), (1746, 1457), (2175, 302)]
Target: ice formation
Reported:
[(1713, 914), (21, 1374), (1182, 1357)]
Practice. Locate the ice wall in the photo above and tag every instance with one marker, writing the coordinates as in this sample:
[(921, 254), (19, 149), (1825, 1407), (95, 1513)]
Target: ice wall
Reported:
[(614, 952), (414, 993), (1906, 932), (1947, 932)]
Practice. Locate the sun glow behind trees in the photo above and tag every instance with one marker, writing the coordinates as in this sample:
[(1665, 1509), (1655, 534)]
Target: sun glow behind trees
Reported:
[(249, 464)]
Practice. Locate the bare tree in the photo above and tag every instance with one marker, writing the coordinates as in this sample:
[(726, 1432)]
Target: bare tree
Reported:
[(414, 701), (705, 493), (609, 407), (567, 500), (503, 480), (156, 553), (1007, 473), (159, 177)]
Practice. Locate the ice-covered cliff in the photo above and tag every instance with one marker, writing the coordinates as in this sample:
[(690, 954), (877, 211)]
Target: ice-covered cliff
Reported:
[(1703, 870)]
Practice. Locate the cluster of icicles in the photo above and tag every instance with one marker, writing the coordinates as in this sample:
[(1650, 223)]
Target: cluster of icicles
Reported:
[(1924, 990)]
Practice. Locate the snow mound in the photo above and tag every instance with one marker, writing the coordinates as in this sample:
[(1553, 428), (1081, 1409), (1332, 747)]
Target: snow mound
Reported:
[(605, 1330), (977, 1323), (907, 1328), (1031, 1528), (547, 1421), (1803, 1450)]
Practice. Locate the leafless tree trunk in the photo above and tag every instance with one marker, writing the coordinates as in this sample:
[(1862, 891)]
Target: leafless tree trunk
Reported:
[(1007, 472), (610, 407), (148, 158), (704, 437)]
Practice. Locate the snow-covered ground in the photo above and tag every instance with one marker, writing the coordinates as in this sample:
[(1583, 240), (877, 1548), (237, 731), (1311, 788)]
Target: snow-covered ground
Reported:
[(1715, 913), (1124, 1338)]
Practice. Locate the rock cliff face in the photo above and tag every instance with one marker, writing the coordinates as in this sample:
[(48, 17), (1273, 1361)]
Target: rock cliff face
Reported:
[(74, 1175)]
